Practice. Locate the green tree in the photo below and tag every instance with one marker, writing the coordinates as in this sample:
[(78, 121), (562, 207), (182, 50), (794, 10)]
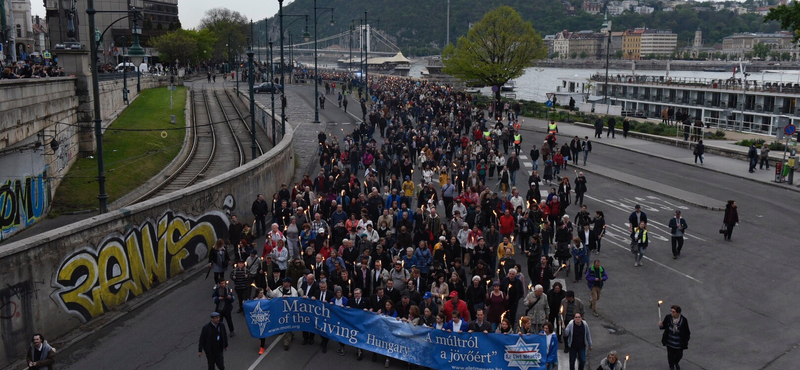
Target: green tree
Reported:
[(788, 16), (224, 23), (785, 56), (554, 55), (584, 54), (497, 49), (573, 55), (618, 54), (761, 50), (702, 55), (188, 46)]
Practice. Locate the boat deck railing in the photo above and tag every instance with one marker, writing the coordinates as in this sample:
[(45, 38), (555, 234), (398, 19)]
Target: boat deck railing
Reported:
[(735, 84)]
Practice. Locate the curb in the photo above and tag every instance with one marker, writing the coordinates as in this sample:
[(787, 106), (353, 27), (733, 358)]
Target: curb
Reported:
[(790, 188), (585, 169), (88, 329)]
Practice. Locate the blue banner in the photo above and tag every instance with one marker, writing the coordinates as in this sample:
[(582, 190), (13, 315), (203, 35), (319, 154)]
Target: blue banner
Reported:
[(391, 337)]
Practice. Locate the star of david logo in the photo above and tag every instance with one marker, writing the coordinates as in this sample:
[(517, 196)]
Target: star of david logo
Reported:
[(259, 317), (523, 355)]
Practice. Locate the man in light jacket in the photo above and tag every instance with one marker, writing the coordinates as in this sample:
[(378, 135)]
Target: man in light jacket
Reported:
[(578, 339)]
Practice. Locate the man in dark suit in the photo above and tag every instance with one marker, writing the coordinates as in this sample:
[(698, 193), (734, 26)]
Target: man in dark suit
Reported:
[(392, 292), (360, 303), (214, 341), (541, 273), (361, 277), (588, 238), (309, 289), (480, 324), (322, 294), (319, 266), (377, 301)]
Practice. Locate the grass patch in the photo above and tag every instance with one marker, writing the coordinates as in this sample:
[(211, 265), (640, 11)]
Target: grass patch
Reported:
[(131, 157)]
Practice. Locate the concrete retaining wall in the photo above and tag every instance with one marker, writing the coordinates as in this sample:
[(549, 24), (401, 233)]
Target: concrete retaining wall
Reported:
[(64, 278), (34, 113)]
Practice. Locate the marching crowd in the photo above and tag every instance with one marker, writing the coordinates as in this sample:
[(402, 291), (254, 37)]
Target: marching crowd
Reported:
[(445, 251)]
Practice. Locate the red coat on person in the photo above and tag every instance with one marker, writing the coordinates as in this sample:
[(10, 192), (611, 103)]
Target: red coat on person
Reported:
[(506, 224), (461, 306)]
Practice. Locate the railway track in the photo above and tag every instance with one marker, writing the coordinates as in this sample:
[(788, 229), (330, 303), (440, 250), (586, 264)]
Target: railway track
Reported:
[(218, 126)]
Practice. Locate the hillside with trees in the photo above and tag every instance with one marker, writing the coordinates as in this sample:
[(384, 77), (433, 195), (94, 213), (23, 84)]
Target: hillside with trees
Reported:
[(420, 25)]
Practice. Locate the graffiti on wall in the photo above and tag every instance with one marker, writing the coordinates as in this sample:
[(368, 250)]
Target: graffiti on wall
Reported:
[(16, 313), (91, 281), (67, 149), (22, 203)]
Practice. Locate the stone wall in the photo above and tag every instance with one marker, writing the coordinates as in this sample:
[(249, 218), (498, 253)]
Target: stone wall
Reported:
[(61, 279), (35, 114)]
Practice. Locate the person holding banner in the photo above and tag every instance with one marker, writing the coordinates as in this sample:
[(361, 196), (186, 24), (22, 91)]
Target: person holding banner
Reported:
[(339, 300), (456, 324), (259, 295), (284, 291), (552, 347)]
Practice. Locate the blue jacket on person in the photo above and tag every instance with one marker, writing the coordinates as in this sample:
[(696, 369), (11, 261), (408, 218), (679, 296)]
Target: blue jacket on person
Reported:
[(424, 259), (552, 349), (449, 326)]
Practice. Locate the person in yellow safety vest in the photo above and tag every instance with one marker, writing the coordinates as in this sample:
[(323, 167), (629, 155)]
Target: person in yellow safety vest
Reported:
[(552, 127), (487, 134), (408, 187), (639, 243), (517, 142)]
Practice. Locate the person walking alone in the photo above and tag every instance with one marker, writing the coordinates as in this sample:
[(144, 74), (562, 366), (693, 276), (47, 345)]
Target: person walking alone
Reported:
[(587, 148), (214, 341), (677, 226), (260, 210), (764, 157), (730, 219), (675, 337), (595, 277), (699, 150), (639, 243), (612, 127), (598, 127)]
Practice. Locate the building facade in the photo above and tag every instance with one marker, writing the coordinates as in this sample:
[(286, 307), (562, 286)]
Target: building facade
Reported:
[(738, 45), (561, 44), (17, 29), (159, 17), (658, 42), (632, 44)]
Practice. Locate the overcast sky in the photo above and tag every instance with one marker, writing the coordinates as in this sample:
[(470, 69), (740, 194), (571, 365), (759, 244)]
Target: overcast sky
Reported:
[(190, 11)]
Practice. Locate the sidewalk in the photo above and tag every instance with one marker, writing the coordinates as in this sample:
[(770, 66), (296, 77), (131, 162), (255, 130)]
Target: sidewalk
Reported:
[(721, 164)]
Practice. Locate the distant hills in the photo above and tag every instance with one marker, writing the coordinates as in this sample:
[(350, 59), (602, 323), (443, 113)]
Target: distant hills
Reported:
[(419, 26)]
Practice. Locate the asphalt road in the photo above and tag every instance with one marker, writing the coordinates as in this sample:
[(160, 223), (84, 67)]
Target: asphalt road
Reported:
[(736, 295)]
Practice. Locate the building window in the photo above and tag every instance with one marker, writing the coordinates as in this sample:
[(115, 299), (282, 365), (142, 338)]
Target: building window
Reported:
[(19, 31)]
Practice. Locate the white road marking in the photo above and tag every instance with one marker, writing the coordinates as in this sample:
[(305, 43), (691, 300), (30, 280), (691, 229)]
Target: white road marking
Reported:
[(528, 164), (610, 203), (345, 123), (628, 249), (264, 355), (523, 156)]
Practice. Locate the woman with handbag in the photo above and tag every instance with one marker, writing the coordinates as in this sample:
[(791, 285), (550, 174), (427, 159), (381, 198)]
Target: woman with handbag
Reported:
[(730, 220)]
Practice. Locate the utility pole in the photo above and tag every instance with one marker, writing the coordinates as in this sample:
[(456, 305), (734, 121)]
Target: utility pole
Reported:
[(366, 55), (283, 86), (271, 74), (316, 75), (250, 80), (98, 128), (448, 23)]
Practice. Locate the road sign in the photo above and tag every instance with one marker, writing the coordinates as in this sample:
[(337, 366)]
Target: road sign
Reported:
[(47, 55), (550, 96), (549, 103), (789, 130), (495, 88)]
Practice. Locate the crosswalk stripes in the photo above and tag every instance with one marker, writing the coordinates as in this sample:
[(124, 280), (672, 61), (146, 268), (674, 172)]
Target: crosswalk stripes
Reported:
[(523, 157), (528, 164)]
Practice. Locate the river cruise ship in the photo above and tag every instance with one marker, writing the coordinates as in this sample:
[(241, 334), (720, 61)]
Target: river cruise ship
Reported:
[(760, 103)]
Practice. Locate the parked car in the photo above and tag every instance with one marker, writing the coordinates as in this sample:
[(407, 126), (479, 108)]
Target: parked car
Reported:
[(267, 87)]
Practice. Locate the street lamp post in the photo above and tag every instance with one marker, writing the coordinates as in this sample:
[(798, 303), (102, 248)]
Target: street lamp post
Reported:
[(271, 74), (250, 80), (283, 85), (350, 61), (135, 51), (316, 73), (124, 70)]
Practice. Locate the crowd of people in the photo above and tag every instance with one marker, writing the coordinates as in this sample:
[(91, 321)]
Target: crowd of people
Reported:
[(29, 69), (442, 247)]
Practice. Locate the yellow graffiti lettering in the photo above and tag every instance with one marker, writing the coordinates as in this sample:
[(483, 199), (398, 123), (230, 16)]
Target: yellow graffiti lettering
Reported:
[(113, 287), (123, 267), (84, 298)]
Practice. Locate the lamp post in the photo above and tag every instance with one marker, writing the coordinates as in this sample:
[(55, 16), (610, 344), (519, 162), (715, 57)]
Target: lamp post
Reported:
[(283, 86), (135, 50), (350, 61), (316, 74), (271, 74), (250, 80), (124, 70)]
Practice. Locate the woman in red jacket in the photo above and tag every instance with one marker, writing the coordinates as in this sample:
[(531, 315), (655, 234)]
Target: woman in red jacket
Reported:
[(506, 224)]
